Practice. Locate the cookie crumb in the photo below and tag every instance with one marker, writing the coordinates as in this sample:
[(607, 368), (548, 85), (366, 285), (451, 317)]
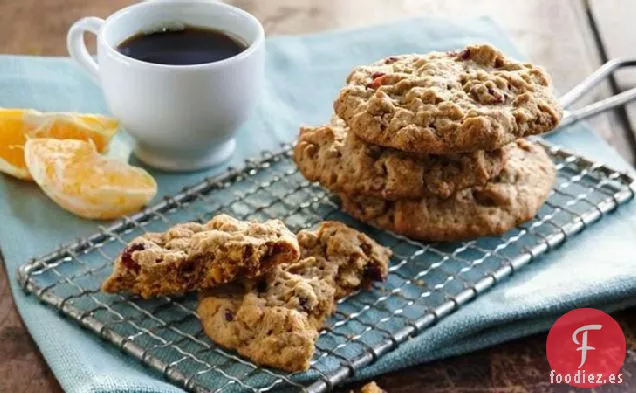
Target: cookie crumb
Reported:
[(371, 387)]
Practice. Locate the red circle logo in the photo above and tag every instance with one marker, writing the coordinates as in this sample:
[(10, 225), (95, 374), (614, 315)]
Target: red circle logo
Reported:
[(586, 348)]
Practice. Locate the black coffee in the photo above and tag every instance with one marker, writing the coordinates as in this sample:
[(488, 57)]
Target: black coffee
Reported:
[(191, 45)]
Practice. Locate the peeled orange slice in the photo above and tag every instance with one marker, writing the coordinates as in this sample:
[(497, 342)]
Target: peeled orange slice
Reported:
[(18, 125), (79, 179)]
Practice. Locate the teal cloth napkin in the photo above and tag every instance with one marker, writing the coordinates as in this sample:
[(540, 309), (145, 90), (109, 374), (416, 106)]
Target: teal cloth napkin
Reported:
[(303, 75)]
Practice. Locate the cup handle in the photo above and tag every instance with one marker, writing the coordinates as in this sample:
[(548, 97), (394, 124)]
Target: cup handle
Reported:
[(77, 48)]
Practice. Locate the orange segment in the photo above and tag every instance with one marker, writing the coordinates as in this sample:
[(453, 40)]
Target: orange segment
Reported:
[(12, 139), (73, 174), (18, 125)]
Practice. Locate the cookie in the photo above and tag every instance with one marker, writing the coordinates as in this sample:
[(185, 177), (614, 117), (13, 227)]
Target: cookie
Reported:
[(275, 321), (512, 198), (193, 256), (464, 101), (342, 162)]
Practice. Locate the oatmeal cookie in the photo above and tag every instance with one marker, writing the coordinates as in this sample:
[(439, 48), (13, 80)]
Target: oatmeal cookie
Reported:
[(464, 101), (275, 321), (193, 256), (512, 198), (342, 162)]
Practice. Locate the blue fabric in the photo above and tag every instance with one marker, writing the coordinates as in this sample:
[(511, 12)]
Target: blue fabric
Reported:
[(303, 75)]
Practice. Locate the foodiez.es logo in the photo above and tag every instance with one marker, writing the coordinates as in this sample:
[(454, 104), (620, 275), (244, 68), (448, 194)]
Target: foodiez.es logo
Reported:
[(586, 348)]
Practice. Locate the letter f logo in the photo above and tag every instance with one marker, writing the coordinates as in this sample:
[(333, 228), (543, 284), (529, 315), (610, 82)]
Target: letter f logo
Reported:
[(584, 347)]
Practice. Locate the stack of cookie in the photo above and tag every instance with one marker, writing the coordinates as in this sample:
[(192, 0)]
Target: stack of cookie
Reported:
[(429, 146)]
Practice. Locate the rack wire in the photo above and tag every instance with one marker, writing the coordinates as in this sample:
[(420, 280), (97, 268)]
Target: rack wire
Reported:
[(426, 281)]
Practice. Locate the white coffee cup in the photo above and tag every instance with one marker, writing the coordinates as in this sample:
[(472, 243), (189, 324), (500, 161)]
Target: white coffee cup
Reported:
[(183, 117)]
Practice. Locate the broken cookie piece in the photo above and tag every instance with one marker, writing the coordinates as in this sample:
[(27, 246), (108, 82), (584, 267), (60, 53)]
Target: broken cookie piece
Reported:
[(193, 256), (275, 321)]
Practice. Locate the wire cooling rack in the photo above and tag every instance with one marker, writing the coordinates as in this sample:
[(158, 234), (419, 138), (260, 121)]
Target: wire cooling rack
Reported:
[(426, 281)]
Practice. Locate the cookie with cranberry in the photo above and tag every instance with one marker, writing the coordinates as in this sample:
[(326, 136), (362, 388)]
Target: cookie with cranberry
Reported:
[(193, 256), (448, 102), (275, 321), (513, 197), (342, 162)]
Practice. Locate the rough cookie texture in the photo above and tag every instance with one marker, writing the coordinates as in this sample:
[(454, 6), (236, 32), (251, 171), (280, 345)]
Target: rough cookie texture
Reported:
[(464, 101), (513, 197), (342, 162), (275, 321), (195, 256)]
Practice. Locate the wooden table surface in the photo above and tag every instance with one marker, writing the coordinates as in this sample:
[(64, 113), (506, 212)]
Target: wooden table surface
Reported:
[(570, 38)]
